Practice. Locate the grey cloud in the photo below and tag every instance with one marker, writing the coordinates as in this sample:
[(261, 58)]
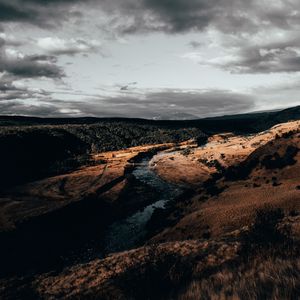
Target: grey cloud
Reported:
[(198, 103), (43, 58), (270, 51), (10, 91), (6, 85), (131, 16), (195, 44), (168, 104), (37, 12), (262, 59), (127, 86), (11, 11), (30, 66), (21, 107), (154, 15), (58, 46), (171, 104), (180, 15), (9, 41), (15, 65)]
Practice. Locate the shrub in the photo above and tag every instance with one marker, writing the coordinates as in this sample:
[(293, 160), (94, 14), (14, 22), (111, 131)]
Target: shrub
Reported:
[(186, 151), (276, 161), (264, 231)]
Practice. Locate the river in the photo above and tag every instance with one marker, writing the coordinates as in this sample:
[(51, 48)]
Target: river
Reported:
[(126, 233)]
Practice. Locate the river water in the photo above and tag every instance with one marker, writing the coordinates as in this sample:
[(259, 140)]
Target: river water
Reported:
[(126, 233)]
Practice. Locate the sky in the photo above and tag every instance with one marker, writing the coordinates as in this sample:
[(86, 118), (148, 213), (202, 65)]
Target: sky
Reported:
[(156, 59)]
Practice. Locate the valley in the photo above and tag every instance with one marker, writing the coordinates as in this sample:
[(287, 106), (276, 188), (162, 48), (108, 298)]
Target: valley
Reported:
[(211, 215)]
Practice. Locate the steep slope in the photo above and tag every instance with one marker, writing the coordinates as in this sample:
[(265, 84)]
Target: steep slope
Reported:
[(269, 176), (195, 165)]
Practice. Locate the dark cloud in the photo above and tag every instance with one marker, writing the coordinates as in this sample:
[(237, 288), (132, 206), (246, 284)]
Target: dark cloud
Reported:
[(11, 11), (172, 16), (41, 13), (180, 15), (198, 103), (14, 65), (6, 85), (13, 43), (232, 17), (128, 86), (25, 67), (263, 59), (43, 58), (169, 104), (156, 15), (18, 107), (29, 66), (10, 91), (240, 21), (196, 44), (175, 103)]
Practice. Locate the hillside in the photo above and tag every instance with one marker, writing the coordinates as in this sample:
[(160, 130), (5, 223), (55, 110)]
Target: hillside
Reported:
[(193, 214), (39, 151), (229, 244), (54, 146), (252, 122)]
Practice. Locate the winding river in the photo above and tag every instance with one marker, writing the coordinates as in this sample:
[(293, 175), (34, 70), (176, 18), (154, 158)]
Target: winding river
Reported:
[(126, 233)]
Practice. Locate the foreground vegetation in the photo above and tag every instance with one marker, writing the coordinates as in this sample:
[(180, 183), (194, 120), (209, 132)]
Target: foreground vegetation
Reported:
[(257, 262)]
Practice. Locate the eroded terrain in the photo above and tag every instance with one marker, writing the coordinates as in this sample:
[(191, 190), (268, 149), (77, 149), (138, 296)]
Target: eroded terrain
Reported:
[(233, 225)]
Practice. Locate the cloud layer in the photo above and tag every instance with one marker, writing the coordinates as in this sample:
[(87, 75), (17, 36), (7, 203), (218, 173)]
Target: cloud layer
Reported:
[(245, 37), (162, 15), (165, 104), (244, 19)]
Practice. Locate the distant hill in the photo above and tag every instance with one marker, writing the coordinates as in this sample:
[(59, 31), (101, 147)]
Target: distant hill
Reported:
[(39, 147), (242, 123)]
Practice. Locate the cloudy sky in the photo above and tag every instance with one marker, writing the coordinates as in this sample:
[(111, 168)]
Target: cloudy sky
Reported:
[(148, 58)]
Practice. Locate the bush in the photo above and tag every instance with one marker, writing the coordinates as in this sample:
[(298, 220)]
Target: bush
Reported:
[(186, 151), (264, 231), (275, 161)]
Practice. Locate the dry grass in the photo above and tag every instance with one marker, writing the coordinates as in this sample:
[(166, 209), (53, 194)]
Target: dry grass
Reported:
[(223, 150), (250, 249), (235, 205), (271, 278), (53, 193)]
